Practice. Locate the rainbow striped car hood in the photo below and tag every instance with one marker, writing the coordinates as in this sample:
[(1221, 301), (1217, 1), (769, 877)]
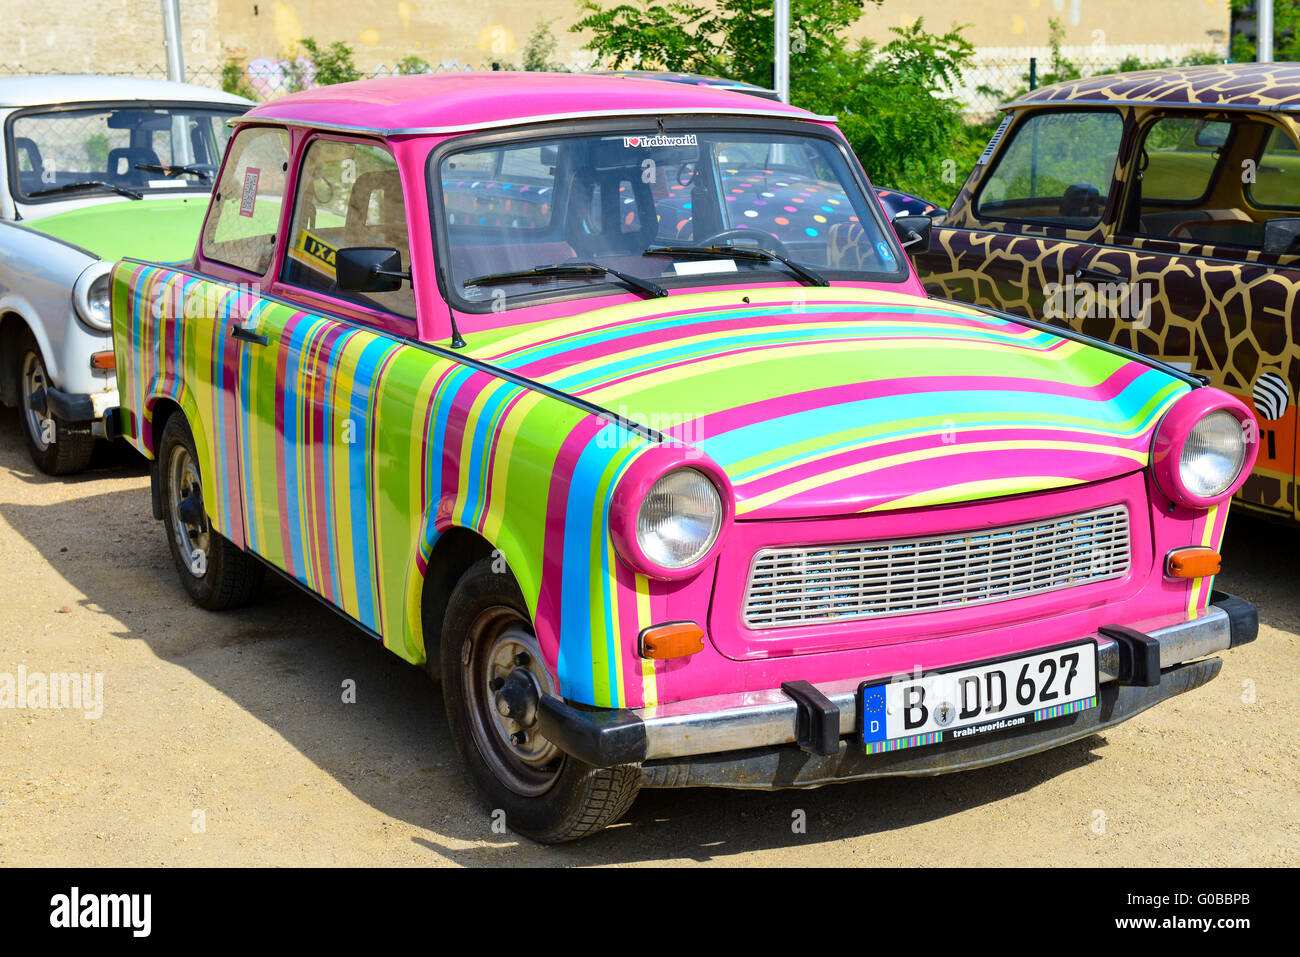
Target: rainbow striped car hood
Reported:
[(843, 400)]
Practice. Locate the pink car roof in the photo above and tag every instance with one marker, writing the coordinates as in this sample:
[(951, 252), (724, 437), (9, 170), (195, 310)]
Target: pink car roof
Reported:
[(456, 102)]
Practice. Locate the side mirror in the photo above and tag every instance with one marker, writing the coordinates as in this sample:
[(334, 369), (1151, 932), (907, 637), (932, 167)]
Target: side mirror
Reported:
[(1282, 236), (369, 269), (913, 231)]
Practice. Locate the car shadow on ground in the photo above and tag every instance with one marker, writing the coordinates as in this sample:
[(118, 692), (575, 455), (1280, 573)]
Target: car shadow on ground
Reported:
[(1260, 559), (286, 659), (109, 459)]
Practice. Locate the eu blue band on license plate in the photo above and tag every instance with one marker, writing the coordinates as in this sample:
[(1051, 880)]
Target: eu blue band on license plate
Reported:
[(925, 708)]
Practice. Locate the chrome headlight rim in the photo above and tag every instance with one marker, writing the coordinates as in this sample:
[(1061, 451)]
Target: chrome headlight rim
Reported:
[(92, 296), (630, 496), (686, 480), (1213, 427), (1179, 427)]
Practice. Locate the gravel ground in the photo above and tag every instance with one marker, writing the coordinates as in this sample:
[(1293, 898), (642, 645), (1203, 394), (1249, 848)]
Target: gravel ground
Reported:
[(224, 739)]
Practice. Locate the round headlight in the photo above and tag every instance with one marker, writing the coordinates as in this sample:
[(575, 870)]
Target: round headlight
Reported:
[(91, 297), (679, 518), (1213, 454)]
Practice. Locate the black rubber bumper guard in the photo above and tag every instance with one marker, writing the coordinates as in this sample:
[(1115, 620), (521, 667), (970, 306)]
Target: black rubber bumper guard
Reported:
[(606, 737), (70, 408)]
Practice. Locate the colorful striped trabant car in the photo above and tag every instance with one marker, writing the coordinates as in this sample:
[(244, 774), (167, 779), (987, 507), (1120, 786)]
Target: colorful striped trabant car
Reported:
[(616, 405)]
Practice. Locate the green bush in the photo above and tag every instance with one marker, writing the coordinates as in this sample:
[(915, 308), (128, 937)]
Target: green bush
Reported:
[(332, 64), (234, 79), (539, 49), (411, 65), (895, 106), (1286, 31)]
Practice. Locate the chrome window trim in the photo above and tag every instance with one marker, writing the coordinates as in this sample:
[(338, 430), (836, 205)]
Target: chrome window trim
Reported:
[(530, 120)]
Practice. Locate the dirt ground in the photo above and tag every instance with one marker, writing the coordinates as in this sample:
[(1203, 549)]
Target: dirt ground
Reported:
[(225, 740)]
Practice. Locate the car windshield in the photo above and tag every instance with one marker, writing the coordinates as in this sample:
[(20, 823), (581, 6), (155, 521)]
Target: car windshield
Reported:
[(128, 150), (654, 206)]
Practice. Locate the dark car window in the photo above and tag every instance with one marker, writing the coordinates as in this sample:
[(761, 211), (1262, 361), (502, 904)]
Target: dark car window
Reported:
[(608, 197), (130, 146), (1058, 168)]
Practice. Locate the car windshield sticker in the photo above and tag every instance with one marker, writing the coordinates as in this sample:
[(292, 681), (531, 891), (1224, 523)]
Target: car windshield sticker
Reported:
[(314, 253), (699, 267), (659, 140), (884, 252), (249, 198)]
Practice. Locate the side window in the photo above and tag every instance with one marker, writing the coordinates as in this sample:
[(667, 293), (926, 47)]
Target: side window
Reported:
[(1058, 168), (240, 229), (1223, 183), (1276, 183), (349, 194), (1180, 155)]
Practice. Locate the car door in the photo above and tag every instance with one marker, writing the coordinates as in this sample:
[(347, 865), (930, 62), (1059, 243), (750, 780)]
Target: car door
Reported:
[(309, 377), (1203, 274), (1041, 200)]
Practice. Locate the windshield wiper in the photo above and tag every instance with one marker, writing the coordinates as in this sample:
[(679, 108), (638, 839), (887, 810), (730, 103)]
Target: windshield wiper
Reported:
[(575, 269), (741, 252), (86, 184), (170, 171)]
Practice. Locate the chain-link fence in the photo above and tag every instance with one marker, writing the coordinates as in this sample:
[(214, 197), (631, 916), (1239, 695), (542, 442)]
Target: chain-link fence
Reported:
[(991, 81), (986, 83), (261, 79)]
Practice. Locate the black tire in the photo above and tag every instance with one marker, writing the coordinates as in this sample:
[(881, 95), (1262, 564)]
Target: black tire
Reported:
[(57, 447), (214, 573), (561, 799)]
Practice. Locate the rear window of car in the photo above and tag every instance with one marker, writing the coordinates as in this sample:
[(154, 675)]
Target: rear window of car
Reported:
[(1058, 168)]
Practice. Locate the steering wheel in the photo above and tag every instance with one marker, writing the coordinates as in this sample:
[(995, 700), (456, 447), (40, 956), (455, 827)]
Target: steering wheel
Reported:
[(748, 237)]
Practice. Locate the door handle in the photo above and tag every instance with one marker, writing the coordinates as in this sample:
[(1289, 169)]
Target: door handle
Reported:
[(1099, 275), (248, 335)]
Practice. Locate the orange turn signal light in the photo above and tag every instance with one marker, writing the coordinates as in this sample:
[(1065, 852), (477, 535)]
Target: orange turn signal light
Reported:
[(677, 639), (1193, 563), (103, 360)]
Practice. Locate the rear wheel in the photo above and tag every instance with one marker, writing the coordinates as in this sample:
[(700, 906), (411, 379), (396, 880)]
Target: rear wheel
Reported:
[(492, 677), (214, 573), (57, 447)]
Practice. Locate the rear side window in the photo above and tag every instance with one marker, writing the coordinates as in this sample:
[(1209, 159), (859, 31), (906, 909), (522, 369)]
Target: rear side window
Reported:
[(1276, 182), (240, 230), (1180, 156), (1058, 168)]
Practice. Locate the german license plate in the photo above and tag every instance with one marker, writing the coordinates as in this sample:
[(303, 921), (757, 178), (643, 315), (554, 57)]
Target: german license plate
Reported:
[(929, 707)]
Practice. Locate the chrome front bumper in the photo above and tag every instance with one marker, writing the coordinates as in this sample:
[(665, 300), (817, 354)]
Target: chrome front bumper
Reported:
[(772, 718)]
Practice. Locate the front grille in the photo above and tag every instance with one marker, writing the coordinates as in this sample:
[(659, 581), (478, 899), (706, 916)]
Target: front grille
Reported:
[(858, 580)]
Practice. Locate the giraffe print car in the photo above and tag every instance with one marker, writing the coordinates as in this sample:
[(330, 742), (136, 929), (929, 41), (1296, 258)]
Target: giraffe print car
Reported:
[(1159, 210)]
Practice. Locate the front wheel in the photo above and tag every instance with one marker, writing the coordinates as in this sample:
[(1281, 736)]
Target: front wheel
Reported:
[(214, 573), (57, 447), (493, 673)]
